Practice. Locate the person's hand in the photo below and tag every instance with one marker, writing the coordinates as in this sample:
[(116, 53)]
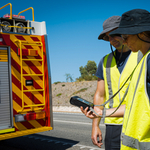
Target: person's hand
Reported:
[(91, 114), (96, 136), (87, 113)]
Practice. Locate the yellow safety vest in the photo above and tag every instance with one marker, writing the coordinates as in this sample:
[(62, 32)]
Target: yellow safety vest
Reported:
[(114, 80), (136, 124)]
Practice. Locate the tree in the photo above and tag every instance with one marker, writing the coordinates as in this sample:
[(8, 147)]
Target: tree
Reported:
[(88, 71), (91, 68), (68, 77), (83, 71)]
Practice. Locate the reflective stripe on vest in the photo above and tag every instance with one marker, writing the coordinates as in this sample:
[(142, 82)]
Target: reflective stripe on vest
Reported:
[(108, 66), (113, 81), (136, 125), (130, 143)]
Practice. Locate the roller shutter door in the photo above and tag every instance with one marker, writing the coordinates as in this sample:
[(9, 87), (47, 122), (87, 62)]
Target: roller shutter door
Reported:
[(5, 97)]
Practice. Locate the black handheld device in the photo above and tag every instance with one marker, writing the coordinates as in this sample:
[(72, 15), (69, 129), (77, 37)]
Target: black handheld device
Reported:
[(78, 101)]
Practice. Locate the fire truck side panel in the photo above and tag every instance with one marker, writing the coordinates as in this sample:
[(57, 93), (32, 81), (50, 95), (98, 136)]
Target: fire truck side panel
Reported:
[(31, 88)]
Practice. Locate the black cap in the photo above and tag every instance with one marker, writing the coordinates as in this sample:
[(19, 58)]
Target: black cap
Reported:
[(108, 25), (133, 22)]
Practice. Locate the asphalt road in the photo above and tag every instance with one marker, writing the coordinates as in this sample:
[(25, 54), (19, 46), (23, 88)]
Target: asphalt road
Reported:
[(72, 131)]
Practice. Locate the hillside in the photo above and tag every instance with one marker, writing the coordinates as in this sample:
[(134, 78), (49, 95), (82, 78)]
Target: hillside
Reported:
[(61, 92)]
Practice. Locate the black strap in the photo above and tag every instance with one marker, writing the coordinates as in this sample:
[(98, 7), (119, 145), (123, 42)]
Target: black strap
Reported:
[(117, 61), (142, 39)]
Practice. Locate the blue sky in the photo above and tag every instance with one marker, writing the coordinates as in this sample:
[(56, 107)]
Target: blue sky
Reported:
[(73, 27)]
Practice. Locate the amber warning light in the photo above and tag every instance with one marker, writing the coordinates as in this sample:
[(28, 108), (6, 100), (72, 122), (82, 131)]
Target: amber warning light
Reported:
[(30, 116)]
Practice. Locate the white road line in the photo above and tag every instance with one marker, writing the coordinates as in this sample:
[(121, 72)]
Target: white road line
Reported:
[(75, 122), (70, 113), (90, 147)]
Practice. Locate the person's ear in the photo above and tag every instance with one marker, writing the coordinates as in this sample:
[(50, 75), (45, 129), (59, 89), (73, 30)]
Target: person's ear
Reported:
[(142, 34)]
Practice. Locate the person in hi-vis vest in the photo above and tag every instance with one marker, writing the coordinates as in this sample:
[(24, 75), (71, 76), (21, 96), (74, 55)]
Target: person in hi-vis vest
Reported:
[(135, 30), (112, 72)]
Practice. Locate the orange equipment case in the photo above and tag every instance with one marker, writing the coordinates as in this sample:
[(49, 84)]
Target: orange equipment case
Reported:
[(25, 79)]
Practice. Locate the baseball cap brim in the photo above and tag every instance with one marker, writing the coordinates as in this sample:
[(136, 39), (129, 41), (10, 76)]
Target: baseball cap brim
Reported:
[(130, 30), (102, 34)]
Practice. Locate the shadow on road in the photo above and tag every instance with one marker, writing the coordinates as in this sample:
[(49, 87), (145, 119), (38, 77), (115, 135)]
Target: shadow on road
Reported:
[(37, 142)]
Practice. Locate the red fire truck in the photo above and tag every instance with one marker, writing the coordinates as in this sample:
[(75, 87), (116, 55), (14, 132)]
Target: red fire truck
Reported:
[(25, 79)]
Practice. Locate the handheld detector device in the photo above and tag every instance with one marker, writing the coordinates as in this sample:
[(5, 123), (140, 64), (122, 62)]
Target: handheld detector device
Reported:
[(78, 101)]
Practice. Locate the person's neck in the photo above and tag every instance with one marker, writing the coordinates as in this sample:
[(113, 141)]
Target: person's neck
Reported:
[(125, 49), (145, 48)]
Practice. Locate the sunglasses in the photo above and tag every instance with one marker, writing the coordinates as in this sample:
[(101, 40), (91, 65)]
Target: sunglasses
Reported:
[(114, 35), (124, 37)]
